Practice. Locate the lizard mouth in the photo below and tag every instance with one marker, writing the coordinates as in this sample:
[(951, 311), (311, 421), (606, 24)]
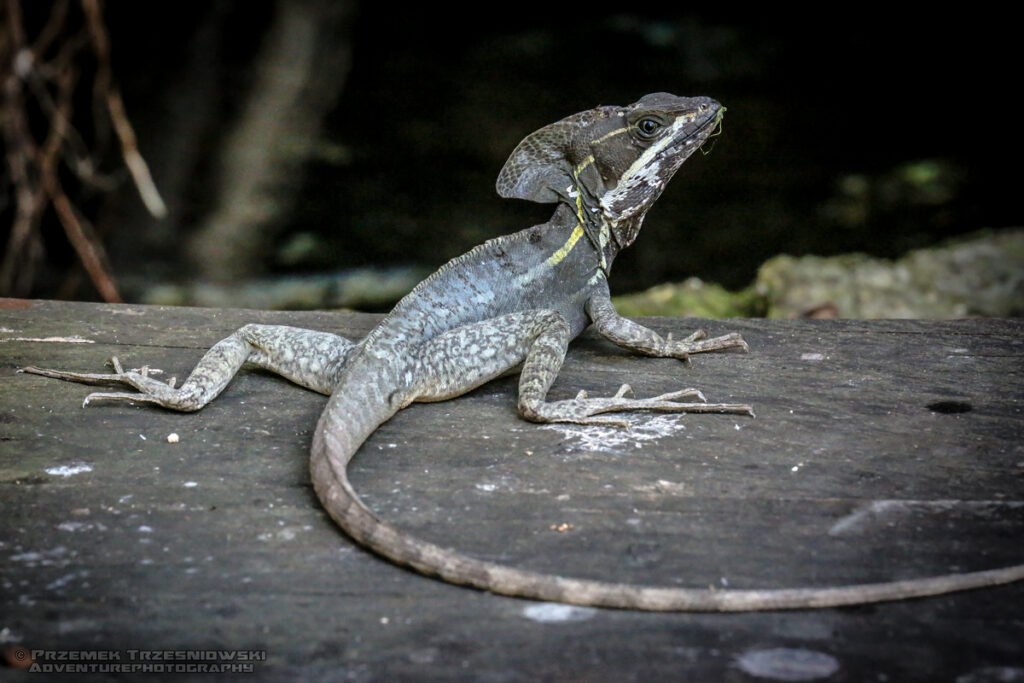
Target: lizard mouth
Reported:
[(691, 137), (704, 129)]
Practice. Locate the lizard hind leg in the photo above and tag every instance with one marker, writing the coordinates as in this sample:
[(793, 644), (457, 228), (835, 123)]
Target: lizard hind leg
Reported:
[(466, 357), (311, 359), (545, 359)]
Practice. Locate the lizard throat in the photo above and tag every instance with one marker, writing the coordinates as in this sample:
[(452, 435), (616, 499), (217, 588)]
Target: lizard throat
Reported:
[(590, 222)]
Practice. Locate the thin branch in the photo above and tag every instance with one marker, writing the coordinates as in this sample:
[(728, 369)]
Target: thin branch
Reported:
[(29, 200), (80, 234), (53, 29), (83, 240), (34, 79), (115, 106)]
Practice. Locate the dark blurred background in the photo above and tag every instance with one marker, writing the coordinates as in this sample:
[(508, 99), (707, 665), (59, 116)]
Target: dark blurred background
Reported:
[(305, 136)]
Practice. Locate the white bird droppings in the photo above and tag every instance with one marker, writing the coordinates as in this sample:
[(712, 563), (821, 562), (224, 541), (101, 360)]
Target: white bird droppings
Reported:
[(69, 470), (556, 613), (787, 664)]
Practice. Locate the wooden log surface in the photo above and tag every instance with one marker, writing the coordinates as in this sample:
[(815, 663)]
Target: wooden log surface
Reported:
[(880, 450)]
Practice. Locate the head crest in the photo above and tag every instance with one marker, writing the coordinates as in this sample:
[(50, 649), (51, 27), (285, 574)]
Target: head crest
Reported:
[(539, 168)]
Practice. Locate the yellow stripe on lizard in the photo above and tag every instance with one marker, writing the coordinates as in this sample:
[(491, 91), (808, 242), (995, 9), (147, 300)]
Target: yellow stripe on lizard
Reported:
[(617, 131), (590, 159), (586, 162), (577, 232), (564, 250)]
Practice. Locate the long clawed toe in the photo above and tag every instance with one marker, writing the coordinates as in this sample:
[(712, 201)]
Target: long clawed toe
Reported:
[(118, 396), (698, 342), (734, 341), (84, 377), (118, 376), (677, 395), (138, 378), (582, 410), (672, 403), (701, 344)]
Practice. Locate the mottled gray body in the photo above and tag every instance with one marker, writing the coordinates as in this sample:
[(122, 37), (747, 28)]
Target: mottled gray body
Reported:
[(513, 302)]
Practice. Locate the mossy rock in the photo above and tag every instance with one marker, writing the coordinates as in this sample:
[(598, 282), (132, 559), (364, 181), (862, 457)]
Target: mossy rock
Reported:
[(982, 275), (692, 297)]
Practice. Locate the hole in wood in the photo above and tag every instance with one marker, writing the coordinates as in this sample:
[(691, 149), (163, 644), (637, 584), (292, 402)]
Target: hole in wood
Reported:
[(950, 407)]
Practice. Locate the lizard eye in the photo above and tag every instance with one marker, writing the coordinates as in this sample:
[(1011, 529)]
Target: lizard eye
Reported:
[(647, 128)]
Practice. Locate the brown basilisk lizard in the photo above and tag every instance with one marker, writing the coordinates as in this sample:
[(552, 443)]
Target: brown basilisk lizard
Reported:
[(513, 301)]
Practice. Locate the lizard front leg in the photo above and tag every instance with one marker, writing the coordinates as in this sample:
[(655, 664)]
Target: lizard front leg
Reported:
[(308, 358), (628, 334)]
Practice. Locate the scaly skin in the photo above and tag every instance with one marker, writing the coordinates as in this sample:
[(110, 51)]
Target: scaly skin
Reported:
[(518, 299)]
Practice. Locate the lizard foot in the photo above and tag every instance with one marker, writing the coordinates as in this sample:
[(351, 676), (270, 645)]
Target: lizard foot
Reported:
[(581, 410), (698, 343), (152, 390)]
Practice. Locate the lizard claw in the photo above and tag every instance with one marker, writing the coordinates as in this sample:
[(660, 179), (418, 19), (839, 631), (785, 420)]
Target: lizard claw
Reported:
[(682, 393), (696, 336)]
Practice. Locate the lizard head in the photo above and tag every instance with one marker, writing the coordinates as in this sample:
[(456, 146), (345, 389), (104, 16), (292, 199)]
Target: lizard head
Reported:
[(611, 162)]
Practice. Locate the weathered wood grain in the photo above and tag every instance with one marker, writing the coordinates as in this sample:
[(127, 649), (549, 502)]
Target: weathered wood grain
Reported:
[(881, 450)]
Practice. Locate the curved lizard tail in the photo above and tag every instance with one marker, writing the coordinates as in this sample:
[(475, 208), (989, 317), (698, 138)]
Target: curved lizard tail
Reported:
[(344, 427)]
